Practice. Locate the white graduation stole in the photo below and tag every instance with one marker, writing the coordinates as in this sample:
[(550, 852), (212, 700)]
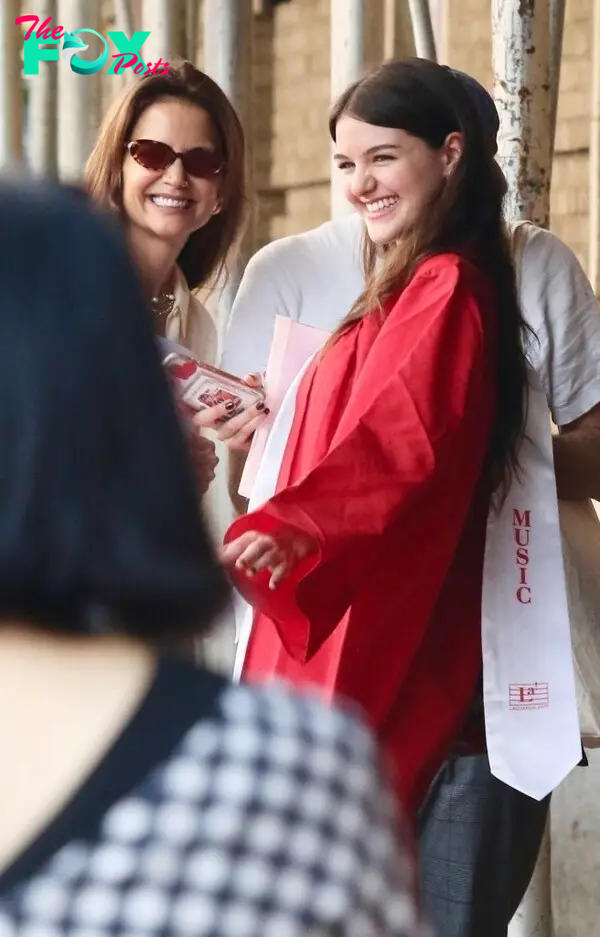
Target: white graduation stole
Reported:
[(530, 704)]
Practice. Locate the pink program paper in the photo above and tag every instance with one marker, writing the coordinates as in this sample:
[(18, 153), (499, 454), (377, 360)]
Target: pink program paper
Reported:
[(293, 344)]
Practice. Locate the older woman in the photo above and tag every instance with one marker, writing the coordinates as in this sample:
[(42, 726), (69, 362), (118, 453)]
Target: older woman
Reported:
[(170, 160)]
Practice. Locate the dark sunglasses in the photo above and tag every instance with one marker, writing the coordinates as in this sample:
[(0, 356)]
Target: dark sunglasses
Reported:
[(199, 162)]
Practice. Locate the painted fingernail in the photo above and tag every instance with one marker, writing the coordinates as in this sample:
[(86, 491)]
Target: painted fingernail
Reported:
[(260, 406), (266, 411), (230, 405)]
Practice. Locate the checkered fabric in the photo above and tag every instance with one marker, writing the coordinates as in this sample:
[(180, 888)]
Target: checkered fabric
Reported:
[(267, 820)]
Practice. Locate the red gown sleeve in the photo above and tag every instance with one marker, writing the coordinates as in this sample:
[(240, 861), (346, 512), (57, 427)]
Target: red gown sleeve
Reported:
[(418, 409)]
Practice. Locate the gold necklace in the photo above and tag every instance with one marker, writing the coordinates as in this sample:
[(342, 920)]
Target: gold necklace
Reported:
[(162, 306)]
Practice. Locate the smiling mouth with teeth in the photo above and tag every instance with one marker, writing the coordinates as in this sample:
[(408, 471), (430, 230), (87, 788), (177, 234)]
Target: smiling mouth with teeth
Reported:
[(163, 201), (381, 204)]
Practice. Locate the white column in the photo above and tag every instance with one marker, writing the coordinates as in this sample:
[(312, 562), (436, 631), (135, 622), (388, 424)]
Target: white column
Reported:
[(594, 170), (161, 18), (11, 99), (347, 65), (228, 49), (422, 25), (228, 45), (78, 95), (398, 40), (521, 61), (42, 110), (192, 12), (124, 18), (227, 58)]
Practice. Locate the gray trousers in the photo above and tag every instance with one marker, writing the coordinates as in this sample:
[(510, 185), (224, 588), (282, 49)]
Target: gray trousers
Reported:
[(478, 845)]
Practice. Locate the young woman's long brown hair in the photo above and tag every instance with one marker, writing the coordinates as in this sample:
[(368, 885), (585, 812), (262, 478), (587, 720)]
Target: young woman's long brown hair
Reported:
[(427, 101), (203, 257)]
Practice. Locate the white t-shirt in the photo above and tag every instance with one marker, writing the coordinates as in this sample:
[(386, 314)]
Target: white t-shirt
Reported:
[(315, 278), (558, 302)]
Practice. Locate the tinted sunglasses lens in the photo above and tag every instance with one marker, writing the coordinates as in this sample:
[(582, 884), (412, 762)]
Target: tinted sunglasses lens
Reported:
[(152, 155), (201, 163)]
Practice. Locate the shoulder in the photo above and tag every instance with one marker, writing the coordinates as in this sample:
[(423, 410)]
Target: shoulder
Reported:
[(542, 247), (551, 274), (274, 804), (340, 239), (560, 307), (289, 750), (301, 718), (555, 292), (449, 275), (453, 266)]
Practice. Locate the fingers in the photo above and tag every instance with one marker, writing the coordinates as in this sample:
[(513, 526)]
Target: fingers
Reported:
[(253, 553), (238, 431), (254, 379), (202, 450), (205, 461), (213, 417), (278, 572), (205, 475), (231, 552)]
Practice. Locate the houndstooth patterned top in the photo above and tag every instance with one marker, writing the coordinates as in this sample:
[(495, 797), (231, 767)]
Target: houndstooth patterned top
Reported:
[(220, 811)]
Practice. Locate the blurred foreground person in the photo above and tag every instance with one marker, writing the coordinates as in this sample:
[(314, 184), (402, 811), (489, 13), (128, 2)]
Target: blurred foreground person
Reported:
[(141, 795)]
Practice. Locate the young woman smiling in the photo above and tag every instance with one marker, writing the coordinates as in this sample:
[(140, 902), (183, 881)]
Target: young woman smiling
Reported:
[(365, 567)]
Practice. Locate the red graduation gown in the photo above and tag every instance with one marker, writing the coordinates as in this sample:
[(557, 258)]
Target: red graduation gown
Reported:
[(383, 468)]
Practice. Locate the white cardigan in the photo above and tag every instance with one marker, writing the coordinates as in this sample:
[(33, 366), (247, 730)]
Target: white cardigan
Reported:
[(190, 324)]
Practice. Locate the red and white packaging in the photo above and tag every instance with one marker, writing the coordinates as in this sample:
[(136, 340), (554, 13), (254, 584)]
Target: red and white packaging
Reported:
[(199, 386)]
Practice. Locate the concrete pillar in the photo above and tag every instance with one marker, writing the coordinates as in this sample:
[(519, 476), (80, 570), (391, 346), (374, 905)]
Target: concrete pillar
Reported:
[(11, 92), (42, 110), (124, 18), (347, 66), (398, 40), (192, 12), (78, 95), (227, 58), (163, 19), (228, 48), (521, 62), (420, 14)]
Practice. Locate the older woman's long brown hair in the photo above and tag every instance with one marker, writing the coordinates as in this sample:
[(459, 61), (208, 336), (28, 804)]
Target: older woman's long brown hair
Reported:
[(205, 254)]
